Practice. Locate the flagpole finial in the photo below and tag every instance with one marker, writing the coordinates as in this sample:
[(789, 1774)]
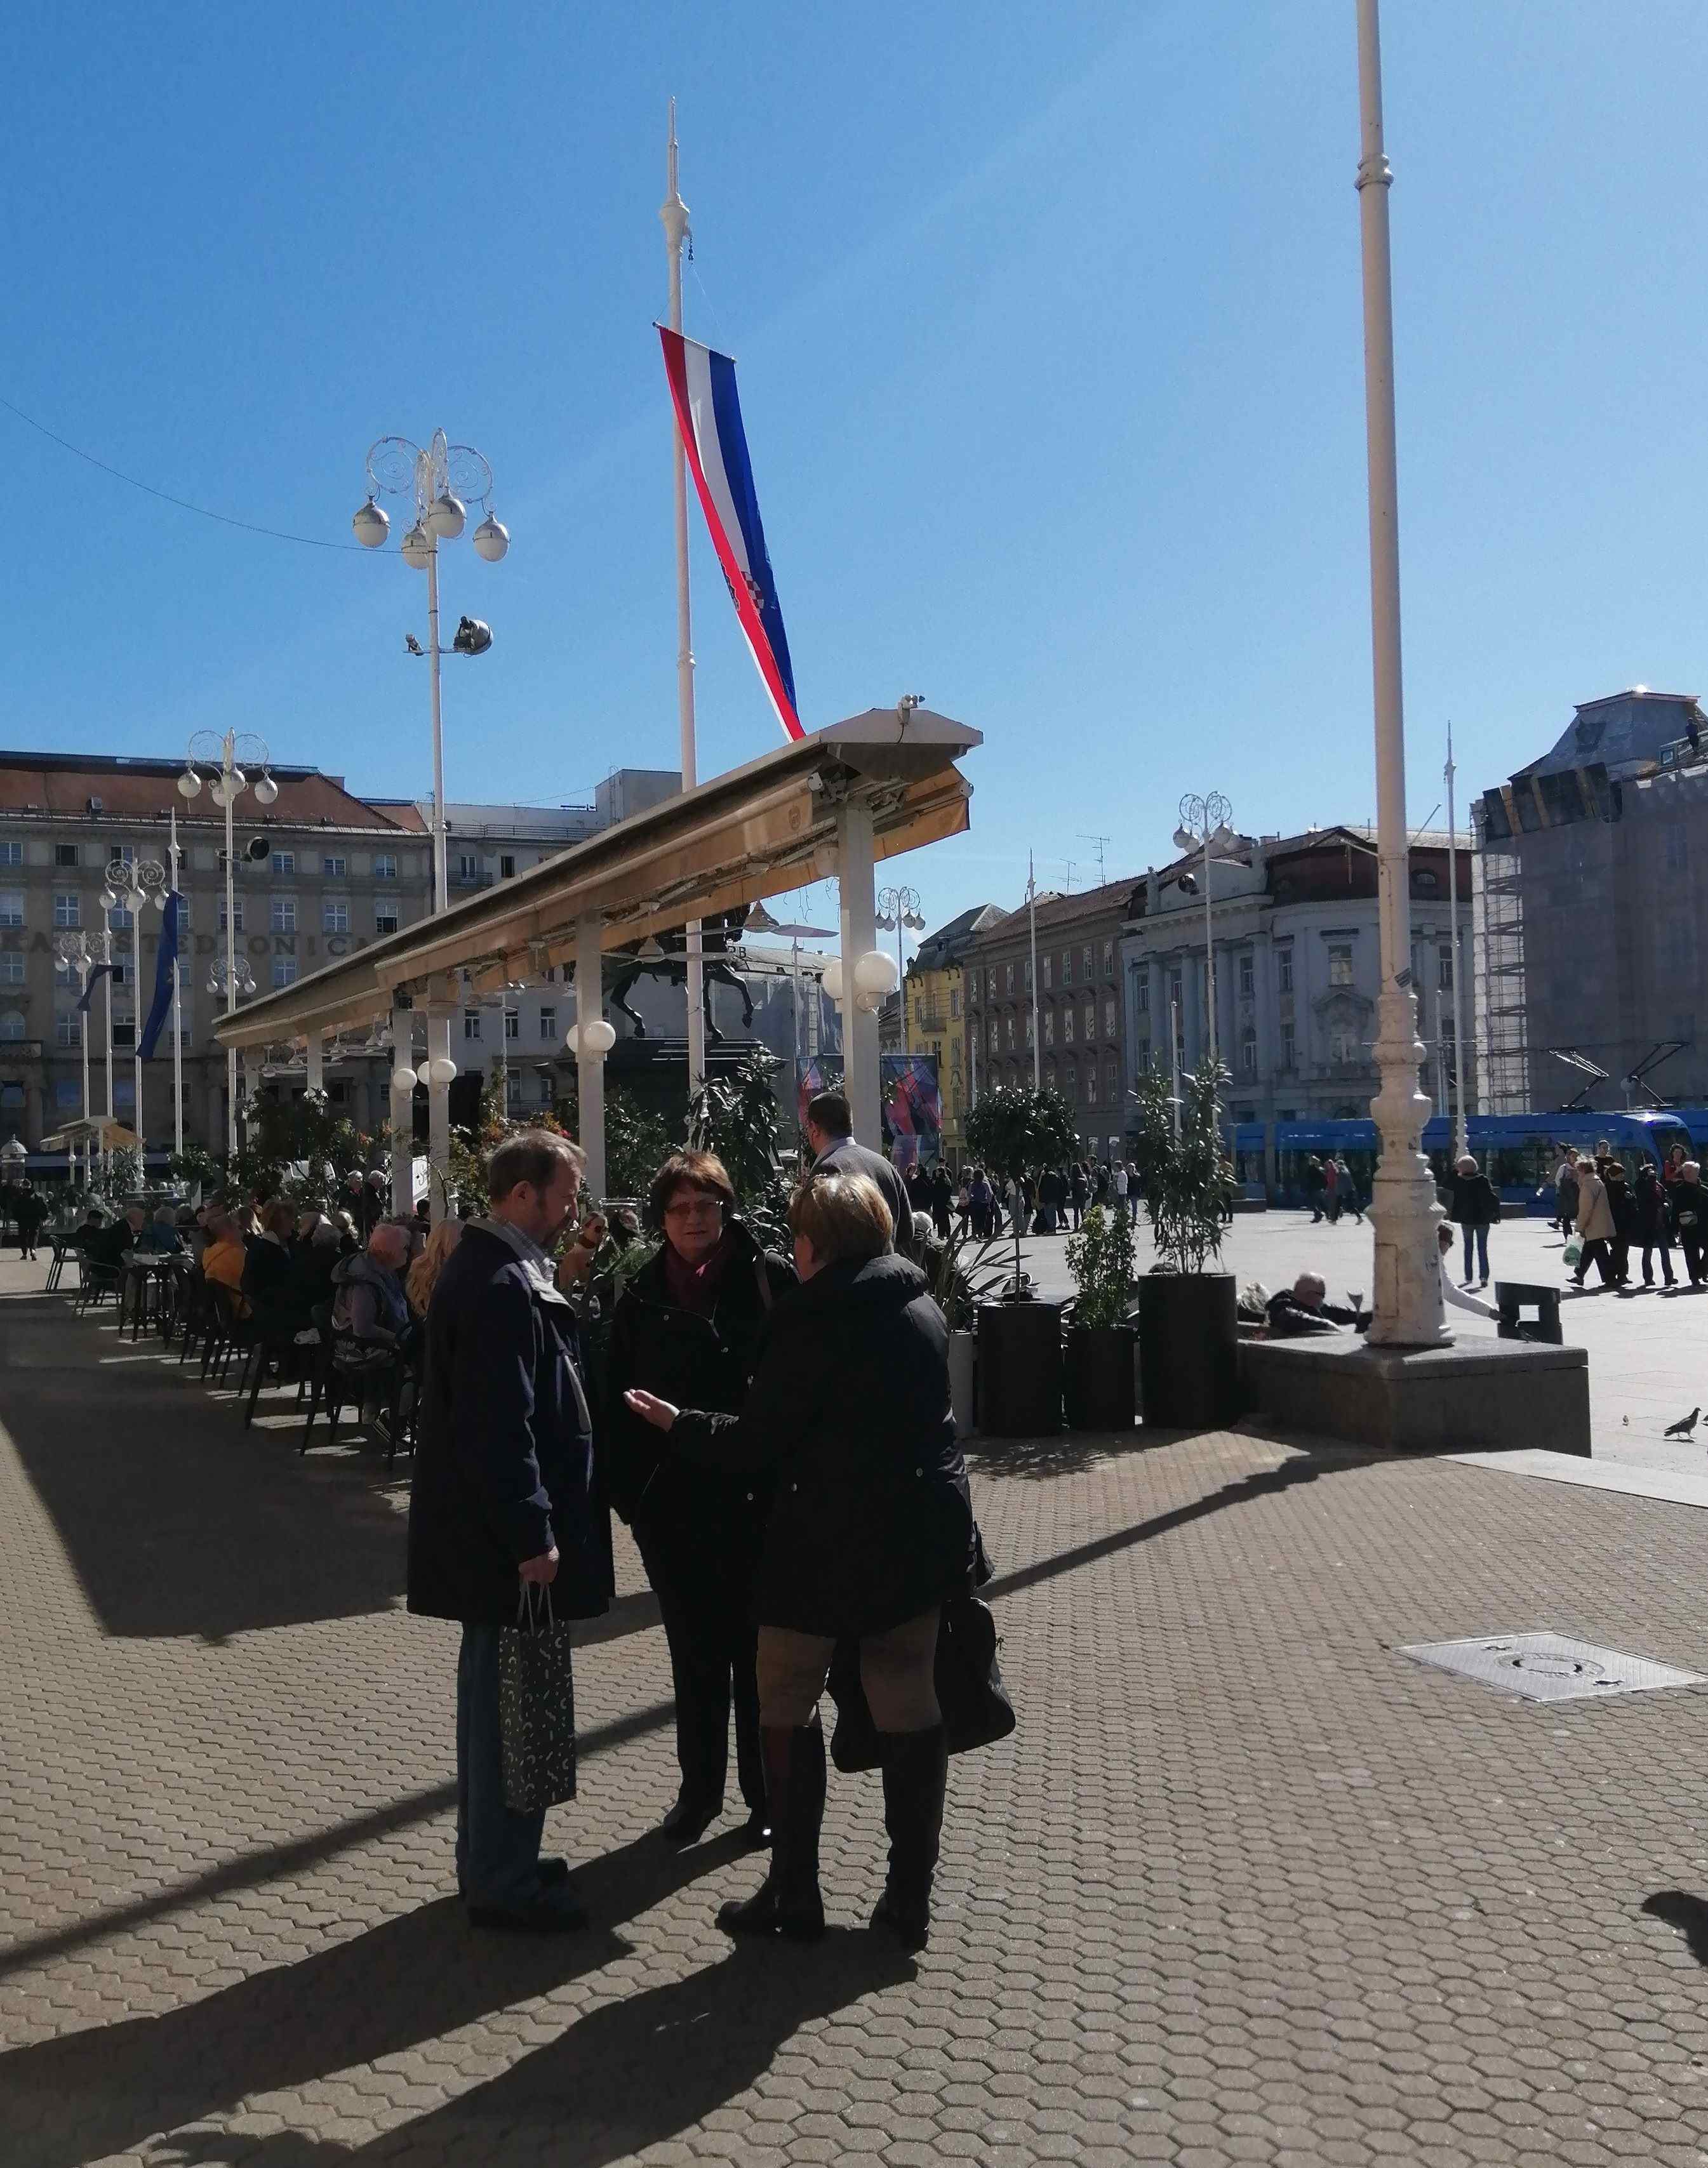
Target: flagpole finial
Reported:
[(672, 211)]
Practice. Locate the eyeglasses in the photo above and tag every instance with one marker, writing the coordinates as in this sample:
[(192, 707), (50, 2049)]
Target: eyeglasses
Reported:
[(694, 1208)]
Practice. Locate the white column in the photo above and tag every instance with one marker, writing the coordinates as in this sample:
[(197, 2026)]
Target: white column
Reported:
[(438, 1016), (1407, 1296), (316, 1053), (402, 1122), (589, 1066), (859, 934)]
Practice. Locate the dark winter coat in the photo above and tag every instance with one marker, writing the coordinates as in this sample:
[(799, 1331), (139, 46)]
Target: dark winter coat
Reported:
[(1622, 1206), (269, 1272), (849, 1406), (692, 1361), (1475, 1202), (845, 1156), (504, 1464), (1654, 1221)]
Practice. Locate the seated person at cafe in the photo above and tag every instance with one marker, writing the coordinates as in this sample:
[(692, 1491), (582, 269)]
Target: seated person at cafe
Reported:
[(370, 1304), (270, 1268), (1302, 1309), (89, 1230), (124, 1234), (160, 1232), (224, 1258)]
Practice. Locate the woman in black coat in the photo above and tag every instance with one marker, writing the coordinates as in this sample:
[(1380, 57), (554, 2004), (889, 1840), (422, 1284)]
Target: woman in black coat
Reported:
[(687, 1329), (1475, 1207), (871, 1532)]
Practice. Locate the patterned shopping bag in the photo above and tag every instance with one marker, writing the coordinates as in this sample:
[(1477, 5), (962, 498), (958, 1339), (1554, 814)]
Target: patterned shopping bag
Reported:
[(536, 1706)]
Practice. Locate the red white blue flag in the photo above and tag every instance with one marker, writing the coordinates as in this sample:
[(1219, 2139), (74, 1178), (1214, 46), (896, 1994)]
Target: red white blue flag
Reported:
[(709, 417)]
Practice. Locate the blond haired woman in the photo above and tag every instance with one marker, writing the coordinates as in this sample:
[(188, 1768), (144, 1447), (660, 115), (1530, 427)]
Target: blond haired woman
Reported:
[(871, 1532), (423, 1273)]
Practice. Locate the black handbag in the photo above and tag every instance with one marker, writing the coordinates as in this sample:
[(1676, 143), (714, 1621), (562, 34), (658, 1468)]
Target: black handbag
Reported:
[(536, 1706), (976, 1710)]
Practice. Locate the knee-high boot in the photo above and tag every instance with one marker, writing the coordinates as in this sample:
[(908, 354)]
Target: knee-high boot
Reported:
[(788, 1902), (916, 1773)]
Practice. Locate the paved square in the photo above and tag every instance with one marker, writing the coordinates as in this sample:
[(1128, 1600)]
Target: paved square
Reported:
[(1247, 1885)]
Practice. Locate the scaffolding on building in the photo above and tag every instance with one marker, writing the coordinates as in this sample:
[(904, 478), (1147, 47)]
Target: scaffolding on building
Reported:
[(1498, 915)]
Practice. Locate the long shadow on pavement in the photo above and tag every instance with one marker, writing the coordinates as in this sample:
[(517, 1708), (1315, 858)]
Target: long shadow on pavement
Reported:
[(85, 2095), (1688, 1914)]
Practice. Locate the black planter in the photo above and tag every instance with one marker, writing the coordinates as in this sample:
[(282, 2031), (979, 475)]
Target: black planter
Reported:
[(1189, 1350), (1019, 1368), (1100, 1376)]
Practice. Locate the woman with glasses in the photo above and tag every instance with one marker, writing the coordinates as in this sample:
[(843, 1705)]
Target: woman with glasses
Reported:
[(687, 1329)]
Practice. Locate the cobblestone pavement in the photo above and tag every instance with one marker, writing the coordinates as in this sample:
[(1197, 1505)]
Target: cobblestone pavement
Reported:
[(1248, 1885)]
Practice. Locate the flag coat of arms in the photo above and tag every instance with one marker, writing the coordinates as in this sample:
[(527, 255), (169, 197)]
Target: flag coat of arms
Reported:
[(709, 417)]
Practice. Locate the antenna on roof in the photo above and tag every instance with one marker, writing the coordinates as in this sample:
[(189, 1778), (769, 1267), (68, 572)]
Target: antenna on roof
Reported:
[(1102, 843)]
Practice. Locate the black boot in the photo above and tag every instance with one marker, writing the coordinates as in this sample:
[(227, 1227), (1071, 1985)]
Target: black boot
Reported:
[(916, 1771), (788, 1902)]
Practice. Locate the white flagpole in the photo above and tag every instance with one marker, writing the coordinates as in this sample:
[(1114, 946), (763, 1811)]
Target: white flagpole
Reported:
[(1461, 1133), (1032, 921), (674, 214), (177, 987)]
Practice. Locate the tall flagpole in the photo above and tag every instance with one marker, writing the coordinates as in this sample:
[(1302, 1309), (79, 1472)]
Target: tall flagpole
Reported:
[(1032, 921), (177, 1010), (1461, 1135), (674, 214)]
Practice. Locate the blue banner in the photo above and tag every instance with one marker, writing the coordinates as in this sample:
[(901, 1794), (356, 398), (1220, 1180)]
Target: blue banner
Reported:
[(96, 976), (165, 973)]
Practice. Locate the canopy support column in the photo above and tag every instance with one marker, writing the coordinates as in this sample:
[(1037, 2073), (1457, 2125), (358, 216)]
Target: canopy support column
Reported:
[(439, 1109), (590, 1063), (859, 936), (402, 1122), (316, 1051)]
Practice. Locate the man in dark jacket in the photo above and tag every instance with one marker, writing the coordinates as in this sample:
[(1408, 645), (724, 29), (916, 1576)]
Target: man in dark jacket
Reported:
[(829, 1128), (504, 1495)]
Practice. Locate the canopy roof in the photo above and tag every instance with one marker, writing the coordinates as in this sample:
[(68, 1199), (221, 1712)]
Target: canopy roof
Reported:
[(759, 830), (99, 1129)]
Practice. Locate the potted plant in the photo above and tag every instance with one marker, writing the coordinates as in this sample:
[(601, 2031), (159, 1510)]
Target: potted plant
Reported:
[(1099, 1375), (1187, 1335), (1011, 1131), (960, 1282)]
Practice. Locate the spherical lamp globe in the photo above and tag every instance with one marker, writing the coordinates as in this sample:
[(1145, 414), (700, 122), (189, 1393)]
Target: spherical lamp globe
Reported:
[(597, 1037), (441, 1069), (266, 790), (447, 516), (370, 525), (876, 972), (831, 979), (189, 783), (417, 548), (491, 538)]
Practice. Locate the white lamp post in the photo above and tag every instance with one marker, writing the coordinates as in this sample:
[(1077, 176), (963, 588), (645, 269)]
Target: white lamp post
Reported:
[(77, 956), (208, 749), (899, 913), (442, 480), (134, 887), (1205, 821), (1407, 1296)]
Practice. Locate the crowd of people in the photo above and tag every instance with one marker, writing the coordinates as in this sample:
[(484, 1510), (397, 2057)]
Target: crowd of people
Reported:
[(1047, 1200), (1608, 1214)]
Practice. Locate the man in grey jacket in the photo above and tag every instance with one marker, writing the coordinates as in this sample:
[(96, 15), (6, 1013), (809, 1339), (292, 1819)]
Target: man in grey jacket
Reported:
[(829, 1129)]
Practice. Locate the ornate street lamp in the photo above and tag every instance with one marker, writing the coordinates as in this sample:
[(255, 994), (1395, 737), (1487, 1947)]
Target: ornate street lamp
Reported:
[(228, 783)]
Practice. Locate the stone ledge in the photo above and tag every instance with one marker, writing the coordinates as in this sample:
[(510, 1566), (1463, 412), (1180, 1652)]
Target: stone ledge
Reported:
[(1492, 1394)]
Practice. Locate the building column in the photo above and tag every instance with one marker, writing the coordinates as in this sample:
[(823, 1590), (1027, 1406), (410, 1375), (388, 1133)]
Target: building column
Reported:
[(401, 1113), (859, 934), (590, 1063), (438, 1017)]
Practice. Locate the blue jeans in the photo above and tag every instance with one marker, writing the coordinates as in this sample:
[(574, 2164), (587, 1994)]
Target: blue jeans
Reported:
[(497, 1850), (1481, 1236)]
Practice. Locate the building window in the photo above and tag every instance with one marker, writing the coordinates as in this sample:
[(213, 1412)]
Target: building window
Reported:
[(1028, 1027), (1027, 969), (12, 1025), (1008, 973), (1342, 1044), (332, 868), (512, 1089), (506, 866), (285, 861), (1011, 1034), (996, 1036), (1088, 957), (282, 916), (385, 867), (993, 982), (120, 975), (1070, 1079), (1111, 1081), (1047, 962), (119, 918), (1424, 881), (66, 854), (1109, 1030), (123, 1034), (1067, 967), (1248, 976), (513, 1023), (68, 908), (334, 915), (1068, 1023), (284, 970), (1248, 1052), (955, 1002), (10, 906), (1141, 991), (1090, 1021), (10, 967), (11, 853), (468, 867), (1091, 1083), (1284, 964), (68, 1027), (384, 918), (237, 915), (1108, 960), (1287, 1056), (548, 1025), (68, 1094), (1340, 964), (471, 1024), (1049, 1027)]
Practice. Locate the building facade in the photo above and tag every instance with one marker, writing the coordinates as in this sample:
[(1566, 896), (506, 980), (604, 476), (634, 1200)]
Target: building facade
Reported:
[(1082, 1018), (1296, 971), (334, 871), (933, 1014), (1592, 905)]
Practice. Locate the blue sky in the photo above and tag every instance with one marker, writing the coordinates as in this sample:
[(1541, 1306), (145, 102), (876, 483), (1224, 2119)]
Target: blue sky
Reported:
[(1048, 326)]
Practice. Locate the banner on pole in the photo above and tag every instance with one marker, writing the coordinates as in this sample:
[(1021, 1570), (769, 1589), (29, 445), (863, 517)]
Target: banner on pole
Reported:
[(165, 970)]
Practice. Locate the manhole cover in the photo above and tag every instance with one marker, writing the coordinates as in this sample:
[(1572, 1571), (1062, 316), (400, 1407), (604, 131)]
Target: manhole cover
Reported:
[(1549, 1667)]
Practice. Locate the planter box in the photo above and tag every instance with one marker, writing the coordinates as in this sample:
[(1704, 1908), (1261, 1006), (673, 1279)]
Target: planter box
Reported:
[(1188, 1344), (963, 1381), (1100, 1386), (1019, 1368)]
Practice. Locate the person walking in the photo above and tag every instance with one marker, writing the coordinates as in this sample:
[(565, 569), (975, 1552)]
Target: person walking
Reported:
[(505, 1498), (1316, 1188), (983, 1202), (29, 1209), (1566, 1194), (1079, 1193), (1331, 1190), (1654, 1229), (829, 1132), (942, 1202), (963, 1206), (1691, 1217), (871, 1532), (687, 1328), (1622, 1204), (1594, 1224), (1351, 1196), (1475, 1207)]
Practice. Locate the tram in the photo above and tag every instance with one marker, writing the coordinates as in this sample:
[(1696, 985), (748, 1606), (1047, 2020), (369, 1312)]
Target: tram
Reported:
[(1519, 1152)]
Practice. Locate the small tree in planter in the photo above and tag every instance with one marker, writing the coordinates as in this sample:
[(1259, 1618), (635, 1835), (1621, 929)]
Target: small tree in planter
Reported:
[(1099, 1374), (1188, 1337), (1012, 1130)]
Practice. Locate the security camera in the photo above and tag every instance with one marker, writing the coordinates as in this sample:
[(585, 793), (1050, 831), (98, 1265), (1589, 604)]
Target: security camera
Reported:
[(473, 637), (258, 849), (413, 645)]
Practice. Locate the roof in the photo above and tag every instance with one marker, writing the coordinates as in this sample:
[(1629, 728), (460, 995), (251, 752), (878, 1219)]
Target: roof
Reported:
[(1054, 909), (61, 785), (1623, 731), (760, 831), (949, 943)]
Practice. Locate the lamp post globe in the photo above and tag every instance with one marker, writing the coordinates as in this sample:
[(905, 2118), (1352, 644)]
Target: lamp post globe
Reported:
[(189, 783), (417, 548), (371, 525), (447, 516), (491, 538), (266, 790)]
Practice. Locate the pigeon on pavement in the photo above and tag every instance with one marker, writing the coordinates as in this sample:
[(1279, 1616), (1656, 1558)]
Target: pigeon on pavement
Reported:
[(1684, 1427)]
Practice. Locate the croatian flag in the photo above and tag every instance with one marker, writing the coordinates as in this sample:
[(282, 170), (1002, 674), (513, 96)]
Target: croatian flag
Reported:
[(708, 416)]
